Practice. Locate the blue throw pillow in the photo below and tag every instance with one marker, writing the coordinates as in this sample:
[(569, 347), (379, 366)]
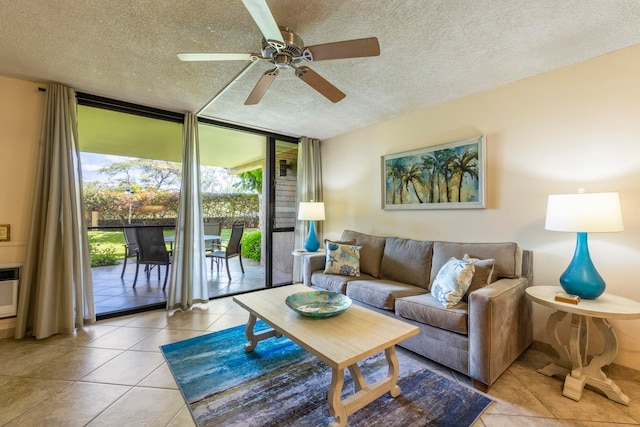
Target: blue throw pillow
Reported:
[(343, 259)]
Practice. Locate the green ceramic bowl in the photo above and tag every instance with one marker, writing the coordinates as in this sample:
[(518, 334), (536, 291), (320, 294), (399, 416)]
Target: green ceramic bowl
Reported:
[(318, 304)]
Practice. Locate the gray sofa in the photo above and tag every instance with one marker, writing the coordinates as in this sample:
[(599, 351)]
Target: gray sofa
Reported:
[(480, 336)]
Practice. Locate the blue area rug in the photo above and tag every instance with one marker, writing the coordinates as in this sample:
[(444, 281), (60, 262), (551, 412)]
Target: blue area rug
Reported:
[(280, 384)]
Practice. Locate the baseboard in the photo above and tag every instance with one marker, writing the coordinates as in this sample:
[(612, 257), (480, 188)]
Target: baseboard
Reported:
[(544, 348), (7, 327)]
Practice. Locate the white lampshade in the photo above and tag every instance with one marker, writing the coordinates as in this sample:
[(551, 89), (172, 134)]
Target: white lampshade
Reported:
[(311, 211), (584, 213)]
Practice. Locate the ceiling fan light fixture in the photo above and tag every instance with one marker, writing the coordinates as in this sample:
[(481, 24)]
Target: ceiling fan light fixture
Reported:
[(283, 61)]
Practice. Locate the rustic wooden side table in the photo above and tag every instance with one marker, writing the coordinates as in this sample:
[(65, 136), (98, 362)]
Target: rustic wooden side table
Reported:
[(573, 362)]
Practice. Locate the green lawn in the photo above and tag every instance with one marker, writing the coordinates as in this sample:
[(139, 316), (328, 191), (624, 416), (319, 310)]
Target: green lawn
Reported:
[(109, 239)]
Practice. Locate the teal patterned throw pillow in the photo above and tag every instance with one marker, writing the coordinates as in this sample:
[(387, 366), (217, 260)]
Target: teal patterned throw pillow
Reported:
[(452, 281), (343, 259)]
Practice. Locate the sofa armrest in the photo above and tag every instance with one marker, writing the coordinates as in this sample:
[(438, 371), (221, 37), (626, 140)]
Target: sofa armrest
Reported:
[(311, 263), (499, 328)]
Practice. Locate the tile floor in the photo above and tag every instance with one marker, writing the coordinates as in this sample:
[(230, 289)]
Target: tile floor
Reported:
[(113, 374)]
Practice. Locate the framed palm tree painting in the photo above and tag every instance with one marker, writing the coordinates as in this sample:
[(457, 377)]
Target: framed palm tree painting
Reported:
[(446, 176)]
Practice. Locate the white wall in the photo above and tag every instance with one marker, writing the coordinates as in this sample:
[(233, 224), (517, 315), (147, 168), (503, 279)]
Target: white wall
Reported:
[(577, 127), (20, 114)]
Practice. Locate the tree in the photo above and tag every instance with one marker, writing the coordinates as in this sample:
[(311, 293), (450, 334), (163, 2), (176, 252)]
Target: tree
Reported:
[(216, 180), (123, 173), (442, 166), (144, 189), (156, 174), (250, 182), (159, 174), (465, 164), (412, 175), (395, 170), (428, 164)]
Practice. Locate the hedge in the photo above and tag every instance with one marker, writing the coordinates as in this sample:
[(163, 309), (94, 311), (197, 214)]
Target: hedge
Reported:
[(161, 207)]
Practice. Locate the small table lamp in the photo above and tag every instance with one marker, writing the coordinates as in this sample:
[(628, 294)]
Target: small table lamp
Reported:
[(583, 213), (311, 211)]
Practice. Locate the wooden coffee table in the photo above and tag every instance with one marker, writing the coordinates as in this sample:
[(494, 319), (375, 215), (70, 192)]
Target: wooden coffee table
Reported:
[(340, 342)]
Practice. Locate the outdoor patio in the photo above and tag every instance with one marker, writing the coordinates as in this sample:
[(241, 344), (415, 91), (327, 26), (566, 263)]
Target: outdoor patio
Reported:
[(113, 294)]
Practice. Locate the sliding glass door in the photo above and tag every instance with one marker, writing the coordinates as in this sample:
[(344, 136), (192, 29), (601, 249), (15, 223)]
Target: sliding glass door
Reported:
[(232, 164), (131, 160), (261, 172), (131, 167)]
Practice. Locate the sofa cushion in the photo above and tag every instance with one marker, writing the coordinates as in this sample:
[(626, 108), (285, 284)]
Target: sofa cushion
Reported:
[(407, 261), (427, 309), (508, 257), (342, 259), (380, 293), (452, 281), (481, 277), (334, 282), (371, 252)]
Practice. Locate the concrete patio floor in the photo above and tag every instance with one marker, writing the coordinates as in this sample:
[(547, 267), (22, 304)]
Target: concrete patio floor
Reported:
[(115, 295)]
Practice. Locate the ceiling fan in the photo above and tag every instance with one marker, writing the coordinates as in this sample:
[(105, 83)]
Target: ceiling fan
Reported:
[(285, 49)]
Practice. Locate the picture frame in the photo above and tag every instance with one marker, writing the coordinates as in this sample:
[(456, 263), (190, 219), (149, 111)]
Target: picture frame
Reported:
[(5, 232), (445, 176)]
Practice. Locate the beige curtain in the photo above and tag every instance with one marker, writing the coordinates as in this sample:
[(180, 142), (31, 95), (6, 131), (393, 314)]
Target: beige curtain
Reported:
[(188, 281), (56, 292), (309, 188)]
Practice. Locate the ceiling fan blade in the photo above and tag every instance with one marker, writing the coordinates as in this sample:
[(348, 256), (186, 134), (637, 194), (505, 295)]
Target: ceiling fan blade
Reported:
[(214, 56), (357, 48), (261, 87), (317, 82), (260, 12)]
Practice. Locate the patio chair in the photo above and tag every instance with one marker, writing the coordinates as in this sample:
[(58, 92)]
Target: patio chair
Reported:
[(130, 246), (232, 249), (152, 252), (213, 229)]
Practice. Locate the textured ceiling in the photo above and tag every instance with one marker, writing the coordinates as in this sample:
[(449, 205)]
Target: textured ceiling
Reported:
[(432, 51)]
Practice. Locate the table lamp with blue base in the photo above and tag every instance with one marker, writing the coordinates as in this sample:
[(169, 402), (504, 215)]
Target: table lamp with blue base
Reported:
[(581, 277), (311, 211), (311, 244), (583, 213)]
